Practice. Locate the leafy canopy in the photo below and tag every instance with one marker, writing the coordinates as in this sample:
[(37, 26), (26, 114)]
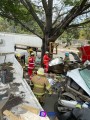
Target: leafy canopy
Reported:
[(41, 17)]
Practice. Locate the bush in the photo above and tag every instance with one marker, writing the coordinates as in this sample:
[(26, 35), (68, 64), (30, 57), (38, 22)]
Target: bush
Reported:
[(88, 42)]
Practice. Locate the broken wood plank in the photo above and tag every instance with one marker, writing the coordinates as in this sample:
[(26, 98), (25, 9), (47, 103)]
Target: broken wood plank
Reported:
[(11, 116), (30, 108)]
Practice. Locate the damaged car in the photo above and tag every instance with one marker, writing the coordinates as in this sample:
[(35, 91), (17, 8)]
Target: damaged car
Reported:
[(76, 89), (57, 65)]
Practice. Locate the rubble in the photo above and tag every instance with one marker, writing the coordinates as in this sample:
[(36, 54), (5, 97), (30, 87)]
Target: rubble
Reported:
[(19, 92)]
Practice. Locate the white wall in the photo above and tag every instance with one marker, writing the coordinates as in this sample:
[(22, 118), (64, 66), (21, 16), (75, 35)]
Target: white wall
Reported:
[(23, 39), (11, 39), (28, 40), (7, 47)]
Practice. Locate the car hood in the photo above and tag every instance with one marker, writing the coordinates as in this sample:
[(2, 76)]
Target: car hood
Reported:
[(75, 75), (55, 61)]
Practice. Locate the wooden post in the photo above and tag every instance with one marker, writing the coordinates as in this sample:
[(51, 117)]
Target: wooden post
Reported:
[(53, 45)]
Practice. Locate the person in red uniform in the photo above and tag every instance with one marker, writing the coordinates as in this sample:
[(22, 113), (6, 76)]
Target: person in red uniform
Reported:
[(46, 60), (31, 64)]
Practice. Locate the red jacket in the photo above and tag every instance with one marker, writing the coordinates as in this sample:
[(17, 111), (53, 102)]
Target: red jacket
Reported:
[(85, 53), (31, 63), (46, 59)]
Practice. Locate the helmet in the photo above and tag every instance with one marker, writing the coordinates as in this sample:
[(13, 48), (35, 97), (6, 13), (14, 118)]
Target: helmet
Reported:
[(40, 71), (78, 105), (18, 55), (32, 53), (67, 54), (46, 52)]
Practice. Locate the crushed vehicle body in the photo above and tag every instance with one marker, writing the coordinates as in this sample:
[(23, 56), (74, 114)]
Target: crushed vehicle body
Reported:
[(76, 89), (57, 65)]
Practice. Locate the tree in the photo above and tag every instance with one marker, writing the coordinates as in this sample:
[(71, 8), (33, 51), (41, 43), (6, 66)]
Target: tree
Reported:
[(85, 32), (10, 26), (69, 35), (47, 19)]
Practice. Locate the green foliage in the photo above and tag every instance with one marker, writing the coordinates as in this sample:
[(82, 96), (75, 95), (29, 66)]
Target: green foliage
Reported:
[(88, 42), (85, 32), (70, 34), (71, 2), (10, 26), (15, 9)]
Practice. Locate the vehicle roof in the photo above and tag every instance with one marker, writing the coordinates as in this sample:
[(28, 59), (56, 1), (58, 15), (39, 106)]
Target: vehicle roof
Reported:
[(75, 75)]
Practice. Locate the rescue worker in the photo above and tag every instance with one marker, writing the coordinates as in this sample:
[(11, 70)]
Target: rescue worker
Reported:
[(66, 62), (18, 57), (29, 50), (31, 64), (41, 84), (66, 59), (46, 60)]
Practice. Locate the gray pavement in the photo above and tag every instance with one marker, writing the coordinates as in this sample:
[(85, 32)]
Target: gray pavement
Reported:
[(49, 104)]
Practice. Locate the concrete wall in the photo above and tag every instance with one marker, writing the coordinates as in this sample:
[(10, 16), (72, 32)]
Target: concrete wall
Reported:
[(23, 39), (9, 41), (28, 40), (7, 46)]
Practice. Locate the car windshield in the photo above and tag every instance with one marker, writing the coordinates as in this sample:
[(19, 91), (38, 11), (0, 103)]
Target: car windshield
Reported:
[(85, 74)]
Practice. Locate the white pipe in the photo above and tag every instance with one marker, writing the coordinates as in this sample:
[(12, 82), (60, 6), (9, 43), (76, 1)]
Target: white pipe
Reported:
[(72, 104)]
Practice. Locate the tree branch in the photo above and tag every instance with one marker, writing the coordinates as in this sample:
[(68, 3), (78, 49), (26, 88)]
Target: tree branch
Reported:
[(83, 3), (85, 12), (32, 12), (75, 11), (45, 6), (48, 26), (49, 12), (59, 17), (32, 31), (80, 24), (6, 16), (21, 23), (24, 4), (86, 7)]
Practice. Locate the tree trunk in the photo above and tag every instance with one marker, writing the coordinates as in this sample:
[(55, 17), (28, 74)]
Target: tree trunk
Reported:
[(51, 55)]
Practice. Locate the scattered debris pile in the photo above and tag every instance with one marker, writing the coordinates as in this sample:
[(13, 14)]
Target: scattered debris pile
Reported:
[(76, 89), (31, 114)]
